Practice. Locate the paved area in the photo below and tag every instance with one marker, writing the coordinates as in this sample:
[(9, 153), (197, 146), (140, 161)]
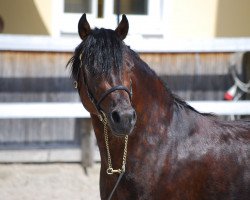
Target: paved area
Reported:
[(48, 182)]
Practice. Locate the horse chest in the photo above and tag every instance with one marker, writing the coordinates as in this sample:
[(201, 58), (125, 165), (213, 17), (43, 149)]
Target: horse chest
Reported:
[(144, 173)]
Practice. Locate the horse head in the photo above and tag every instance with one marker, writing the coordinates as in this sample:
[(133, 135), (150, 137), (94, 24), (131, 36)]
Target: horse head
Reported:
[(102, 67)]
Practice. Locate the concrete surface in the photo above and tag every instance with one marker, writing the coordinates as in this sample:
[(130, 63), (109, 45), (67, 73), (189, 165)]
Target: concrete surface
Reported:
[(48, 182)]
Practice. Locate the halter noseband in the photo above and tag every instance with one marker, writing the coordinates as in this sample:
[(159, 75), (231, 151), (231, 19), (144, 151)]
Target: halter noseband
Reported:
[(109, 91), (118, 87)]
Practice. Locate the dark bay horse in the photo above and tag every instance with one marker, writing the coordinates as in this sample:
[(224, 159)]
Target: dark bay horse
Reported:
[(173, 151)]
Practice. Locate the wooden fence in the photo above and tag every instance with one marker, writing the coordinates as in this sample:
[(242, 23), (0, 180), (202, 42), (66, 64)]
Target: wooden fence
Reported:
[(85, 153), (41, 76)]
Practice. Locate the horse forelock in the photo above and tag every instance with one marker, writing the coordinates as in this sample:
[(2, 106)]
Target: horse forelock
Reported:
[(101, 51)]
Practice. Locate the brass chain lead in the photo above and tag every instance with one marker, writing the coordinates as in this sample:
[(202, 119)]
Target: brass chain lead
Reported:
[(124, 158), (110, 169)]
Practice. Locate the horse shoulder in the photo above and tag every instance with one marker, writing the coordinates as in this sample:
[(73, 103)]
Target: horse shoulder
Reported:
[(208, 157)]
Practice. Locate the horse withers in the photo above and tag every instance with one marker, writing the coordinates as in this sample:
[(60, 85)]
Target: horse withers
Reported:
[(153, 145)]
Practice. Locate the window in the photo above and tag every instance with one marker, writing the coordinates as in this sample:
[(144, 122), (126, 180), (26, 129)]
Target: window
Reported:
[(103, 13), (134, 7), (77, 6)]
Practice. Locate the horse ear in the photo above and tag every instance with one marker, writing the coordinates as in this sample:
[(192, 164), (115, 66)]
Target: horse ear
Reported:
[(122, 29), (83, 27)]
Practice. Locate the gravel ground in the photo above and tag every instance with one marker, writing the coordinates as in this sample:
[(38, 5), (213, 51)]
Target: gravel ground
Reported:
[(48, 182)]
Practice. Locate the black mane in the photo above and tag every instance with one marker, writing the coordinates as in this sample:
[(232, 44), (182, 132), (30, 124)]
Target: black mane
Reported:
[(101, 51)]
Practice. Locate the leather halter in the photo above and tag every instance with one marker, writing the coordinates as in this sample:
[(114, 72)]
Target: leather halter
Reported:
[(109, 91), (98, 108)]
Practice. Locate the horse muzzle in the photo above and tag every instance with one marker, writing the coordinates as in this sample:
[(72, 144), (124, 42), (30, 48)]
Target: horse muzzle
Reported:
[(122, 121)]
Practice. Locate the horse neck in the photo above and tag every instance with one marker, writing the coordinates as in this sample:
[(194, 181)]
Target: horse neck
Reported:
[(151, 101), (150, 96)]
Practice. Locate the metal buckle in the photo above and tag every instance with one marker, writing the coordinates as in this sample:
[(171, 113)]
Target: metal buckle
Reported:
[(75, 84), (112, 171)]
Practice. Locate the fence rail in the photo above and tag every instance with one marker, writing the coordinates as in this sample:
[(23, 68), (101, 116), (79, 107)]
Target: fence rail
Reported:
[(222, 107), (43, 110), (76, 110)]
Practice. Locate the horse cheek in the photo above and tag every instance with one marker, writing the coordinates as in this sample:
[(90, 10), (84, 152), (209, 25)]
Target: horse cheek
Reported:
[(88, 105)]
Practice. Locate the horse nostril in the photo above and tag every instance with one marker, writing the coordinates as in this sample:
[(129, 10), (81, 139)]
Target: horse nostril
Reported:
[(116, 117)]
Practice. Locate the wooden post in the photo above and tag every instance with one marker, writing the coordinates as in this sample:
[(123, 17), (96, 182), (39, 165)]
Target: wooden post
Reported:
[(118, 11), (84, 127)]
